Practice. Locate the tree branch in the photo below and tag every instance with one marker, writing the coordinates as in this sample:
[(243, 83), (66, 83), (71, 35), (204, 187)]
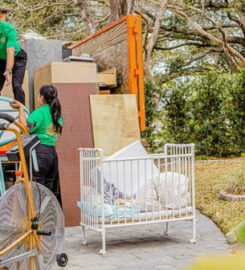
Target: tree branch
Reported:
[(206, 34), (168, 77), (89, 21), (240, 22), (201, 56), (37, 8), (183, 45), (154, 35), (145, 37)]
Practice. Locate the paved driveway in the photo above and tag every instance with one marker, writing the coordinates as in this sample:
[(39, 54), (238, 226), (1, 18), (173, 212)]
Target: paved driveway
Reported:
[(144, 247)]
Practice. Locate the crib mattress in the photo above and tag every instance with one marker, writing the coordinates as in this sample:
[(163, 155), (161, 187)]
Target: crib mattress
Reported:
[(148, 216)]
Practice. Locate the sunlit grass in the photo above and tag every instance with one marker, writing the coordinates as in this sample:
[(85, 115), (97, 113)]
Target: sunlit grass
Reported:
[(211, 178)]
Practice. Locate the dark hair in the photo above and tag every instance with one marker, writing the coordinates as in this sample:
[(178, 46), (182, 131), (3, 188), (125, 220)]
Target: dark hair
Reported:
[(4, 11), (50, 95)]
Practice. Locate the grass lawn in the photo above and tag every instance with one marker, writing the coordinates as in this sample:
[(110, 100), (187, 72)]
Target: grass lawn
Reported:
[(210, 179)]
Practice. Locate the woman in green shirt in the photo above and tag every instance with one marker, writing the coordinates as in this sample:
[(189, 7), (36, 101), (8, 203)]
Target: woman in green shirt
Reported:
[(46, 123)]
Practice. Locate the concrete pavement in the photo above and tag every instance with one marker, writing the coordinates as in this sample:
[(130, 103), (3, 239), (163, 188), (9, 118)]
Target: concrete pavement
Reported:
[(144, 247)]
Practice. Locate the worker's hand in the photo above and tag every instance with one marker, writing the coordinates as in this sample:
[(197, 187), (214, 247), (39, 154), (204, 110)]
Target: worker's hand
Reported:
[(7, 76), (16, 105)]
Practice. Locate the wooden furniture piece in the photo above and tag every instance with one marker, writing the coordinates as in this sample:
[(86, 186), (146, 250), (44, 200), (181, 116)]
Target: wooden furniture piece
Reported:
[(107, 78), (63, 72)]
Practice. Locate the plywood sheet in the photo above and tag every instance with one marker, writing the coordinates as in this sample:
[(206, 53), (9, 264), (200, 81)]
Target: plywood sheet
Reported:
[(77, 132), (109, 50), (64, 72), (115, 121), (8, 92)]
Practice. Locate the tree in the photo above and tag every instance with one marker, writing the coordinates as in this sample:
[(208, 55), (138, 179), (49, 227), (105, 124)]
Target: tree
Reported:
[(198, 36), (181, 37)]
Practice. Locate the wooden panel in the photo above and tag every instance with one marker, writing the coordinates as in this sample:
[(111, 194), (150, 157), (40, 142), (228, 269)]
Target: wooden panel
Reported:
[(115, 121), (8, 92), (67, 72), (107, 77), (42, 76), (77, 132), (110, 50)]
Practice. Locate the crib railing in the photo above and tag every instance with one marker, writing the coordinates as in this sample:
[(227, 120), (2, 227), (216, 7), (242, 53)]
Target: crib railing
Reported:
[(137, 190)]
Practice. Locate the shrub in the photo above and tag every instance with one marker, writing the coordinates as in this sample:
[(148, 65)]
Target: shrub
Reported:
[(236, 183), (207, 110)]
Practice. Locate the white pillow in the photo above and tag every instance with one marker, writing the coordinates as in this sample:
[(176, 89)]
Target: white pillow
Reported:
[(127, 176)]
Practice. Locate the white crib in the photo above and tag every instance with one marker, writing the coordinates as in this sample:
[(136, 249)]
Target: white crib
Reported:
[(126, 190)]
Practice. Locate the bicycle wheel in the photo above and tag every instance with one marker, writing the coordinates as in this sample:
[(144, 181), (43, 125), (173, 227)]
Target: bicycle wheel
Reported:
[(14, 222)]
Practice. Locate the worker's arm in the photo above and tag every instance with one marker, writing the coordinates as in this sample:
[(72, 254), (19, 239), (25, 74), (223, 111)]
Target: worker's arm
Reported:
[(9, 65), (22, 117), (34, 120), (10, 45)]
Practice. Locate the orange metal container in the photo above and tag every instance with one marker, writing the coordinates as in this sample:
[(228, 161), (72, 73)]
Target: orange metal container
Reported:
[(135, 59)]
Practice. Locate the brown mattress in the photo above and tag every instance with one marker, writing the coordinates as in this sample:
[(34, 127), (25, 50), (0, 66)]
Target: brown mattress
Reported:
[(77, 132)]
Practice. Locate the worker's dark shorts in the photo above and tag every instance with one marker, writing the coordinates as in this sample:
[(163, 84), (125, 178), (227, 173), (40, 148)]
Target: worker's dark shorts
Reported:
[(48, 166)]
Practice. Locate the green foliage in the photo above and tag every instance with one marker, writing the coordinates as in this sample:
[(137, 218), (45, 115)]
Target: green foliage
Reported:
[(207, 121), (152, 97), (53, 19), (176, 115), (208, 110), (237, 110), (241, 233)]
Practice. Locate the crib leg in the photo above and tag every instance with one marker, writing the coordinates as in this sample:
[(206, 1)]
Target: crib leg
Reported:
[(165, 232), (84, 242), (194, 234), (103, 250)]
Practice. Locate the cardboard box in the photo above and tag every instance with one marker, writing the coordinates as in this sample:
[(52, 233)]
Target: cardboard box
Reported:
[(7, 91), (63, 72)]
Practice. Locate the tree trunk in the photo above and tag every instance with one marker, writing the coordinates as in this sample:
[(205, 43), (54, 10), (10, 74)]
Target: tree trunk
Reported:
[(121, 8), (89, 21), (153, 38)]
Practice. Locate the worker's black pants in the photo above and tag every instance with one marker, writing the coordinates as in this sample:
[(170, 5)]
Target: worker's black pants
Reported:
[(48, 166), (18, 75)]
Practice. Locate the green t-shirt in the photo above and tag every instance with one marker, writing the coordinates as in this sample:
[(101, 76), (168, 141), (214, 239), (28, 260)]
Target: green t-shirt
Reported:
[(44, 127), (8, 39)]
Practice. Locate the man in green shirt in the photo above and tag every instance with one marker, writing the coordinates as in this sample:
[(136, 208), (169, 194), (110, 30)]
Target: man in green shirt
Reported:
[(12, 58)]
